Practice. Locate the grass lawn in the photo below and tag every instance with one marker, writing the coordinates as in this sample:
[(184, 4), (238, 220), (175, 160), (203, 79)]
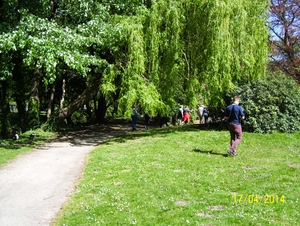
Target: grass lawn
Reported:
[(10, 149), (183, 176)]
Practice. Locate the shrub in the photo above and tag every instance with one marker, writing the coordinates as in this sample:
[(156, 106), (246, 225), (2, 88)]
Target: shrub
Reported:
[(270, 105)]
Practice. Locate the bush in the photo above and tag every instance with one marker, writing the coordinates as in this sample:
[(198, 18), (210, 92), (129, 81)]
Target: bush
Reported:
[(79, 117), (270, 105)]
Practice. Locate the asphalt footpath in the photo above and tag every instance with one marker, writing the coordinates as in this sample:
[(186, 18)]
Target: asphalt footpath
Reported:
[(34, 187)]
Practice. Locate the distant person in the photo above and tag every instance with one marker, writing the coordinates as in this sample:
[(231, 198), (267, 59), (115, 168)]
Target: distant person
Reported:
[(205, 114), (32, 136), (147, 121), (135, 116), (164, 120), (200, 113), (16, 136), (186, 115), (234, 114), (180, 114)]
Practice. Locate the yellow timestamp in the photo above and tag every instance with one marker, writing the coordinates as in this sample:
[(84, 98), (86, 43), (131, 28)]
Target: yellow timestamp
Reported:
[(269, 199)]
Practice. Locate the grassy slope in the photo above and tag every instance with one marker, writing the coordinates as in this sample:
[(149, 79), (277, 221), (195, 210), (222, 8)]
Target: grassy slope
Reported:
[(183, 176), (10, 149)]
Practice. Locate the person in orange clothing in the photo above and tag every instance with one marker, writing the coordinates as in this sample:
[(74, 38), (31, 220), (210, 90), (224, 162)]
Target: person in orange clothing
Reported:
[(186, 116)]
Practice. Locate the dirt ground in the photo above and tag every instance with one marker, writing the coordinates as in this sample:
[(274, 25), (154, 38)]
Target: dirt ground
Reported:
[(34, 186)]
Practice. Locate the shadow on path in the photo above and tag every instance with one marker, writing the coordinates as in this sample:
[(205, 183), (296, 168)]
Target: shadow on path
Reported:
[(94, 135)]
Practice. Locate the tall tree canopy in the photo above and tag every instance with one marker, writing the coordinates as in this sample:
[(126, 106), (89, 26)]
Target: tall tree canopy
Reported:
[(284, 19), (155, 53)]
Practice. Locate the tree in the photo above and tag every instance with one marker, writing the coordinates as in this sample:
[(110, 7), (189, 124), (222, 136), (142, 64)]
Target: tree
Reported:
[(284, 19), (191, 49), (156, 54), (36, 44)]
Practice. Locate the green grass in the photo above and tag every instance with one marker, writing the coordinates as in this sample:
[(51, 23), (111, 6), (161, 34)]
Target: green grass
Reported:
[(184, 176), (10, 149)]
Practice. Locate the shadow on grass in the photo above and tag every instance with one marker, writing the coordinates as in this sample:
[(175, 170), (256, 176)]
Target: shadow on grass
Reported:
[(97, 134), (169, 130), (156, 132), (210, 152), (22, 142)]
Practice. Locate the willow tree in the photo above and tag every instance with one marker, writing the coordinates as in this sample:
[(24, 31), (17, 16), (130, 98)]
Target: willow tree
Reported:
[(151, 77), (226, 42), (181, 51)]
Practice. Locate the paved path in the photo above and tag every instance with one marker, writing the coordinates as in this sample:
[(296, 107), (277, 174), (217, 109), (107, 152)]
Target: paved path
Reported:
[(34, 187)]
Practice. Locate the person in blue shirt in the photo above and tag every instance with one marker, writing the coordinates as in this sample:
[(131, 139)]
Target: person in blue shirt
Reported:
[(234, 114), (134, 116), (205, 113)]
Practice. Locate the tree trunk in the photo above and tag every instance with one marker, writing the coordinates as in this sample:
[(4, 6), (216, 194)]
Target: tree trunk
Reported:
[(37, 74), (19, 90), (89, 111), (4, 103), (102, 107), (63, 88), (83, 99), (34, 105), (50, 104), (95, 108)]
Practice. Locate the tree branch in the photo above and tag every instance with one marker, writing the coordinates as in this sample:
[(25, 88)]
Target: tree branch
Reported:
[(83, 99)]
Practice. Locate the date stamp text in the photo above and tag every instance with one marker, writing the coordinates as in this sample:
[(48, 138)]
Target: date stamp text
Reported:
[(268, 199)]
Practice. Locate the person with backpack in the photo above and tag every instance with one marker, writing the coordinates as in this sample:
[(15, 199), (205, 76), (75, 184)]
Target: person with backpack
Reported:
[(135, 116), (180, 115), (234, 114), (205, 113)]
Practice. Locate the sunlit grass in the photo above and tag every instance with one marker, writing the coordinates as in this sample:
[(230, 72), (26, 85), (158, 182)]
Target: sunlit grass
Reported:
[(10, 149), (183, 176)]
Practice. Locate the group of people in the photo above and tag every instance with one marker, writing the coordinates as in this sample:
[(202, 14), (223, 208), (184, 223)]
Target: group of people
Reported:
[(233, 115), (135, 116), (184, 114)]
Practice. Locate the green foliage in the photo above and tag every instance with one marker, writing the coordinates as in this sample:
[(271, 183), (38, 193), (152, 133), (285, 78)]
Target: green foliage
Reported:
[(270, 105), (79, 117), (226, 43), (194, 49), (53, 122), (156, 54)]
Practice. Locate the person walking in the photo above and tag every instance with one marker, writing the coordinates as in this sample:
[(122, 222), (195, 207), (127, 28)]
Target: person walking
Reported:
[(164, 121), (135, 116), (200, 113), (147, 120), (180, 114), (205, 113), (186, 116), (234, 114)]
